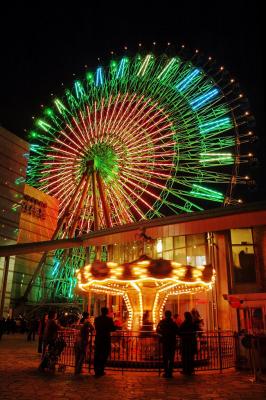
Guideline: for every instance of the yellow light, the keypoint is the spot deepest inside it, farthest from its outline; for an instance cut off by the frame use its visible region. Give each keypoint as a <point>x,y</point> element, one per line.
<point>159,246</point>
<point>143,262</point>
<point>175,264</point>
<point>111,264</point>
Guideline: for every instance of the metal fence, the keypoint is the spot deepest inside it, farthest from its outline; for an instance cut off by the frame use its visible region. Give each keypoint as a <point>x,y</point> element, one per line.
<point>251,355</point>
<point>143,351</point>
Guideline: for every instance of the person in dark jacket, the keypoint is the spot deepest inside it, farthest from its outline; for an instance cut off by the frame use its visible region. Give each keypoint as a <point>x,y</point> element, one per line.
<point>197,319</point>
<point>187,332</point>
<point>33,327</point>
<point>41,328</point>
<point>2,326</point>
<point>167,329</point>
<point>50,337</point>
<point>104,325</point>
<point>82,342</point>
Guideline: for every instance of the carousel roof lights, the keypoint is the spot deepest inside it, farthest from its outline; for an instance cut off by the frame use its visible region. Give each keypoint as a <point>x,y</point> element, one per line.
<point>131,280</point>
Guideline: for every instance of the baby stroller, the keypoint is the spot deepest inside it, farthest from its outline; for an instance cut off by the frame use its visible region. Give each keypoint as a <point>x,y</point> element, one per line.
<point>51,356</point>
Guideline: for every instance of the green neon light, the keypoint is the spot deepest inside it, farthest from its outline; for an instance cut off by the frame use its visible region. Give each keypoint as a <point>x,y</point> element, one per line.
<point>60,106</point>
<point>33,134</point>
<point>19,180</point>
<point>144,65</point>
<point>167,69</point>
<point>224,158</point>
<point>46,127</point>
<point>89,77</point>
<point>48,112</point>
<point>206,193</point>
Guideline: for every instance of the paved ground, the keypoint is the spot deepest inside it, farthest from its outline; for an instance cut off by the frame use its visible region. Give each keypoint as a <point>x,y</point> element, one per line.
<point>19,379</point>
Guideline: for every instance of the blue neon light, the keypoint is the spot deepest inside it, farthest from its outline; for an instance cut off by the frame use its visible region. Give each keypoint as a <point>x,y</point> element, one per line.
<point>221,123</point>
<point>187,80</point>
<point>56,265</point>
<point>35,147</point>
<point>99,76</point>
<point>204,98</point>
<point>121,68</point>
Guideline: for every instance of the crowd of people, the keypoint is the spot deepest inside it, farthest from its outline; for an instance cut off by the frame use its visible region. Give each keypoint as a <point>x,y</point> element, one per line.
<point>51,343</point>
<point>31,324</point>
<point>11,325</point>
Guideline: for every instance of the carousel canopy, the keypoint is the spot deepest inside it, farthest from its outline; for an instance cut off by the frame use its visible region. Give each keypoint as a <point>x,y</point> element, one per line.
<point>145,268</point>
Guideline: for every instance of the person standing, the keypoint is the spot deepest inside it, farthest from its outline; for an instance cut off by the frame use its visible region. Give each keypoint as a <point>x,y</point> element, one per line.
<point>81,344</point>
<point>2,326</point>
<point>177,319</point>
<point>49,339</point>
<point>197,319</point>
<point>33,326</point>
<point>41,328</point>
<point>187,332</point>
<point>104,325</point>
<point>168,329</point>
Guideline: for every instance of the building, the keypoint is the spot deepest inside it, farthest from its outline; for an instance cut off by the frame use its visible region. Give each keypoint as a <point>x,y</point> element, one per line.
<point>14,153</point>
<point>232,239</point>
<point>27,215</point>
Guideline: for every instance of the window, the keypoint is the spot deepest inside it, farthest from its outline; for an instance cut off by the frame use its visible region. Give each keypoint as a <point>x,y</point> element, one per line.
<point>196,249</point>
<point>243,256</point>
<point>187,250</point>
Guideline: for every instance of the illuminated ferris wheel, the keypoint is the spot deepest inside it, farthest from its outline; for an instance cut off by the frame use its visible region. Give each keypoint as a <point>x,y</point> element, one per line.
<point>144,137</point>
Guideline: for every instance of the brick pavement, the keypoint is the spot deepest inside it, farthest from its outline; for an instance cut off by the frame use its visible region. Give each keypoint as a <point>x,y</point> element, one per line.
<point>19,379</point>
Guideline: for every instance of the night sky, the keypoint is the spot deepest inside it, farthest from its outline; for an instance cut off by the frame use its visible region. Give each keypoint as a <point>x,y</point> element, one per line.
<point>44,44</point>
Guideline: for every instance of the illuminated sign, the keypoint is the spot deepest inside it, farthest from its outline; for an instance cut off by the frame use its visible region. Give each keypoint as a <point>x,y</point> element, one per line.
<point>33,207</point>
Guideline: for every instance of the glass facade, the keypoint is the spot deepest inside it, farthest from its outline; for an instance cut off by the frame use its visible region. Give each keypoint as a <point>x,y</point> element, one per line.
<point>187,250</point>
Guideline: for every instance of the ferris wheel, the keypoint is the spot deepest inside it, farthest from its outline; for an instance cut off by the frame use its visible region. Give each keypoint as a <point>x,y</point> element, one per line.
<point>142,137</point>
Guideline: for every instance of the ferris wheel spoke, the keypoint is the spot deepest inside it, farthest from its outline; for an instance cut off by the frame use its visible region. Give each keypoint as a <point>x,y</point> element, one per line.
<point>116,103</point>
<point>131,202</point>
<point>117,200</point>
<point>137,117</point>
<point>61,191</point>
<point>132,113</point>
<point>115,120</point>
<point>124,117</point>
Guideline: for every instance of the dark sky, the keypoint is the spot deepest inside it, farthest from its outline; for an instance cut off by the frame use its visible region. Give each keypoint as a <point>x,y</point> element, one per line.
<point>44,44</point>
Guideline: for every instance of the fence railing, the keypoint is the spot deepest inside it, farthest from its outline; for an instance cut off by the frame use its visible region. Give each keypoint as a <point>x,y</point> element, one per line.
<point>143,351</point>
<point>251,355</point>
